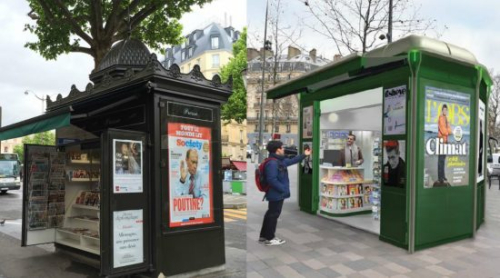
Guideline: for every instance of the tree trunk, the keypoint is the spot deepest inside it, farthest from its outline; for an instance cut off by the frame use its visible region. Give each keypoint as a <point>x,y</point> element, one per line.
<point>99,52</point>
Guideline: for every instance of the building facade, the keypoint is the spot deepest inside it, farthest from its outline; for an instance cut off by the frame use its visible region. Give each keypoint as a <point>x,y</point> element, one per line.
<point>9,145</point>
<point>211,48</point>
<point>280,116</point>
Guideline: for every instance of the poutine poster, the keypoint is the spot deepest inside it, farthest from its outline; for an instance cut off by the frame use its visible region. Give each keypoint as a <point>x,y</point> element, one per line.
<point>190,175</point>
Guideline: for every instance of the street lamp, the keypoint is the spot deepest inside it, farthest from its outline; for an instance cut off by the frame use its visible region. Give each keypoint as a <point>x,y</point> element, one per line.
<point>261,119</point>
<point>43,99</point>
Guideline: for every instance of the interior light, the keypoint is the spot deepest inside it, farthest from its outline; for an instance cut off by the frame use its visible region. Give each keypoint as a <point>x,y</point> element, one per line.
<point>333,117</point>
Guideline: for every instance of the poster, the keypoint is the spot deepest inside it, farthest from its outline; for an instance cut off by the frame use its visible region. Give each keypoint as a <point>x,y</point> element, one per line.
<point>307,121</point>
<point>481,140</point>
<point>190,175</point>
<point>127,166</point>
<point>446,138</point>
<point>395,110</point>
<point>128,237</point>
<point>394,168</point>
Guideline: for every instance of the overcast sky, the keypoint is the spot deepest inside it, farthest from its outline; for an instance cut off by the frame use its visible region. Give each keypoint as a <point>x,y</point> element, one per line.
<point>22,69</point>
<point>471,24</point>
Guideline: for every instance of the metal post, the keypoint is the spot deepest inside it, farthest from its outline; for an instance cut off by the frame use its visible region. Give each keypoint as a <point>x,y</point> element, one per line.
<point>389,33</point>
<point>261,120</point>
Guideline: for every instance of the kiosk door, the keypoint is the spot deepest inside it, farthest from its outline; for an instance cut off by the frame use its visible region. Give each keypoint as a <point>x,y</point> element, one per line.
<point>125,229</point>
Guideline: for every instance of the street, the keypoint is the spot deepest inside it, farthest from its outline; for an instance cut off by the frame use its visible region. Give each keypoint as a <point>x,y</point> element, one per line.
<point>42,260</point>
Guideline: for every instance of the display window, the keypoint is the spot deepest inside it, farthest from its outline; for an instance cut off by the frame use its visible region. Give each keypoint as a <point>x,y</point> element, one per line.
<point>351,157</point>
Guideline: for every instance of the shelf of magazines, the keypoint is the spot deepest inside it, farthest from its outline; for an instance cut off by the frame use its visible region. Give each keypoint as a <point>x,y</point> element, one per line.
<point>344,190</point>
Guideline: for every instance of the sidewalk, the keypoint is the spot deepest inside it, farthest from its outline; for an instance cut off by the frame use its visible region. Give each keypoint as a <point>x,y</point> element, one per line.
<point>317,247</point>
<point>234,201</point>
<point>43,262</point>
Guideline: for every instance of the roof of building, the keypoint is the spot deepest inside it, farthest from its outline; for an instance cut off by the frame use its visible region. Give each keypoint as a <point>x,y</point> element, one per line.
<point>320,61</point>
<point>201,41</point>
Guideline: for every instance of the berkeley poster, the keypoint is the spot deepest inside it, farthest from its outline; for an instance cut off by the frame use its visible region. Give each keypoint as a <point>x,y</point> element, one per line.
<point>190,175</point>
<point>395,110</point>
<point>446,138</point>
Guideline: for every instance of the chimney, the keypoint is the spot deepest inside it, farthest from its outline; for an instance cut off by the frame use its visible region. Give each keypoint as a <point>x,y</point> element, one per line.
<point>252,53</point>
<point>312,54</point>
<point>337,57</point>
<point>292,52</point>
<point>225,19</point>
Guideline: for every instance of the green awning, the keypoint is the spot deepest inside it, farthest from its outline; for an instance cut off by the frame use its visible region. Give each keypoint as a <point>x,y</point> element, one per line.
<point>37,124</point>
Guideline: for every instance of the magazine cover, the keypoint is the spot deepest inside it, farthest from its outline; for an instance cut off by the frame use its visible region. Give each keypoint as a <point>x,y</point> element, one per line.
<point>190,175</point>
<point>395,110</point>
<point>127,165</point>
<point>446,137</point>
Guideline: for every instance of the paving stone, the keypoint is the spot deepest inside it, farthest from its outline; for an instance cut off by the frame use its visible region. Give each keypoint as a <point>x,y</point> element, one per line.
<point>360,265</point>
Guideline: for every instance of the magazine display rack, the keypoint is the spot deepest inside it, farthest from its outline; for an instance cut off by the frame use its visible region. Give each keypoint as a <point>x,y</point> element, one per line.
<point>344,190</point>
<point>377,174</point>
<point>64,197</point>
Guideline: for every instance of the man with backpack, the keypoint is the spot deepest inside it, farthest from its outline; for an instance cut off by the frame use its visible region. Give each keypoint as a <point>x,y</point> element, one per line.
<point>277,187</point>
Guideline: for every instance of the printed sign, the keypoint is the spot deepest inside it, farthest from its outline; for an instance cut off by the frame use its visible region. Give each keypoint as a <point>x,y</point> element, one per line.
<point>190,175</point>
<point>307,118</point>
<point>446,137</point>
<point>128,237</point>
<point>395,111</point>
<point>127,166</point>
<point>481,140</point>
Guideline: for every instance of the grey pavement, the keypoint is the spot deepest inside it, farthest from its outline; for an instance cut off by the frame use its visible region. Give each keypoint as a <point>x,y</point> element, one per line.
<point>234,201</point>
<point>42,261</point>
<point>318,247</point>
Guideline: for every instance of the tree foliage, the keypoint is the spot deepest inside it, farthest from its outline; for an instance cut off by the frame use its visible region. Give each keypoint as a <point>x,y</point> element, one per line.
<point>356,25</point>
<point>494,107</point>
<point>43,138</point>
<point>236,107</point>
<point>92,26</point>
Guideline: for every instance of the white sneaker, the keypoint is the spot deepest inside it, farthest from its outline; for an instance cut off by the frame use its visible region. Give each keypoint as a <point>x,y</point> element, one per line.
<point>274,241</point>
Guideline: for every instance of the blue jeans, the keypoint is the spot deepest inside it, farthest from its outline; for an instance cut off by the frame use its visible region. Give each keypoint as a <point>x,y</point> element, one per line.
<point>271,219</point>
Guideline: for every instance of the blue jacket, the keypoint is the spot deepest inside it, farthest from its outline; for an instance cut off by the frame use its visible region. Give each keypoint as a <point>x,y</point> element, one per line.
<point>277,176</point>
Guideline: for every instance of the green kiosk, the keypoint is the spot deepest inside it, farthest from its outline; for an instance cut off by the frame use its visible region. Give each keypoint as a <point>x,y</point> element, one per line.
<point>398,137</point>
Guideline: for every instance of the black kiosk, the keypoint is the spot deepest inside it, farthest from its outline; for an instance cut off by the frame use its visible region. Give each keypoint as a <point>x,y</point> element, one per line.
<point>134,184</point>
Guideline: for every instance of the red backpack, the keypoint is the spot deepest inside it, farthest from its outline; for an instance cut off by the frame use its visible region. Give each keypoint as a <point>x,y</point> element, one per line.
<point>260,175</point>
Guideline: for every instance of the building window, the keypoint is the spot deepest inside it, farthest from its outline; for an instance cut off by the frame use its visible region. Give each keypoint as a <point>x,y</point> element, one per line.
<point>183,55</point>
<point>267,114</point>
<point>288,128</point>
<point>169,64</point>
<point>215,61</point>
<point>215,43</point>
<point>241,136</point>
<point>277,129</point>
<point>190,52</point>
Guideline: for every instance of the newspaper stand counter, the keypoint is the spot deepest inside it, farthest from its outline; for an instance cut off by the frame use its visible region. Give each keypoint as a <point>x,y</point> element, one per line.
<point>133,184</point>
<point>404,88</point>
